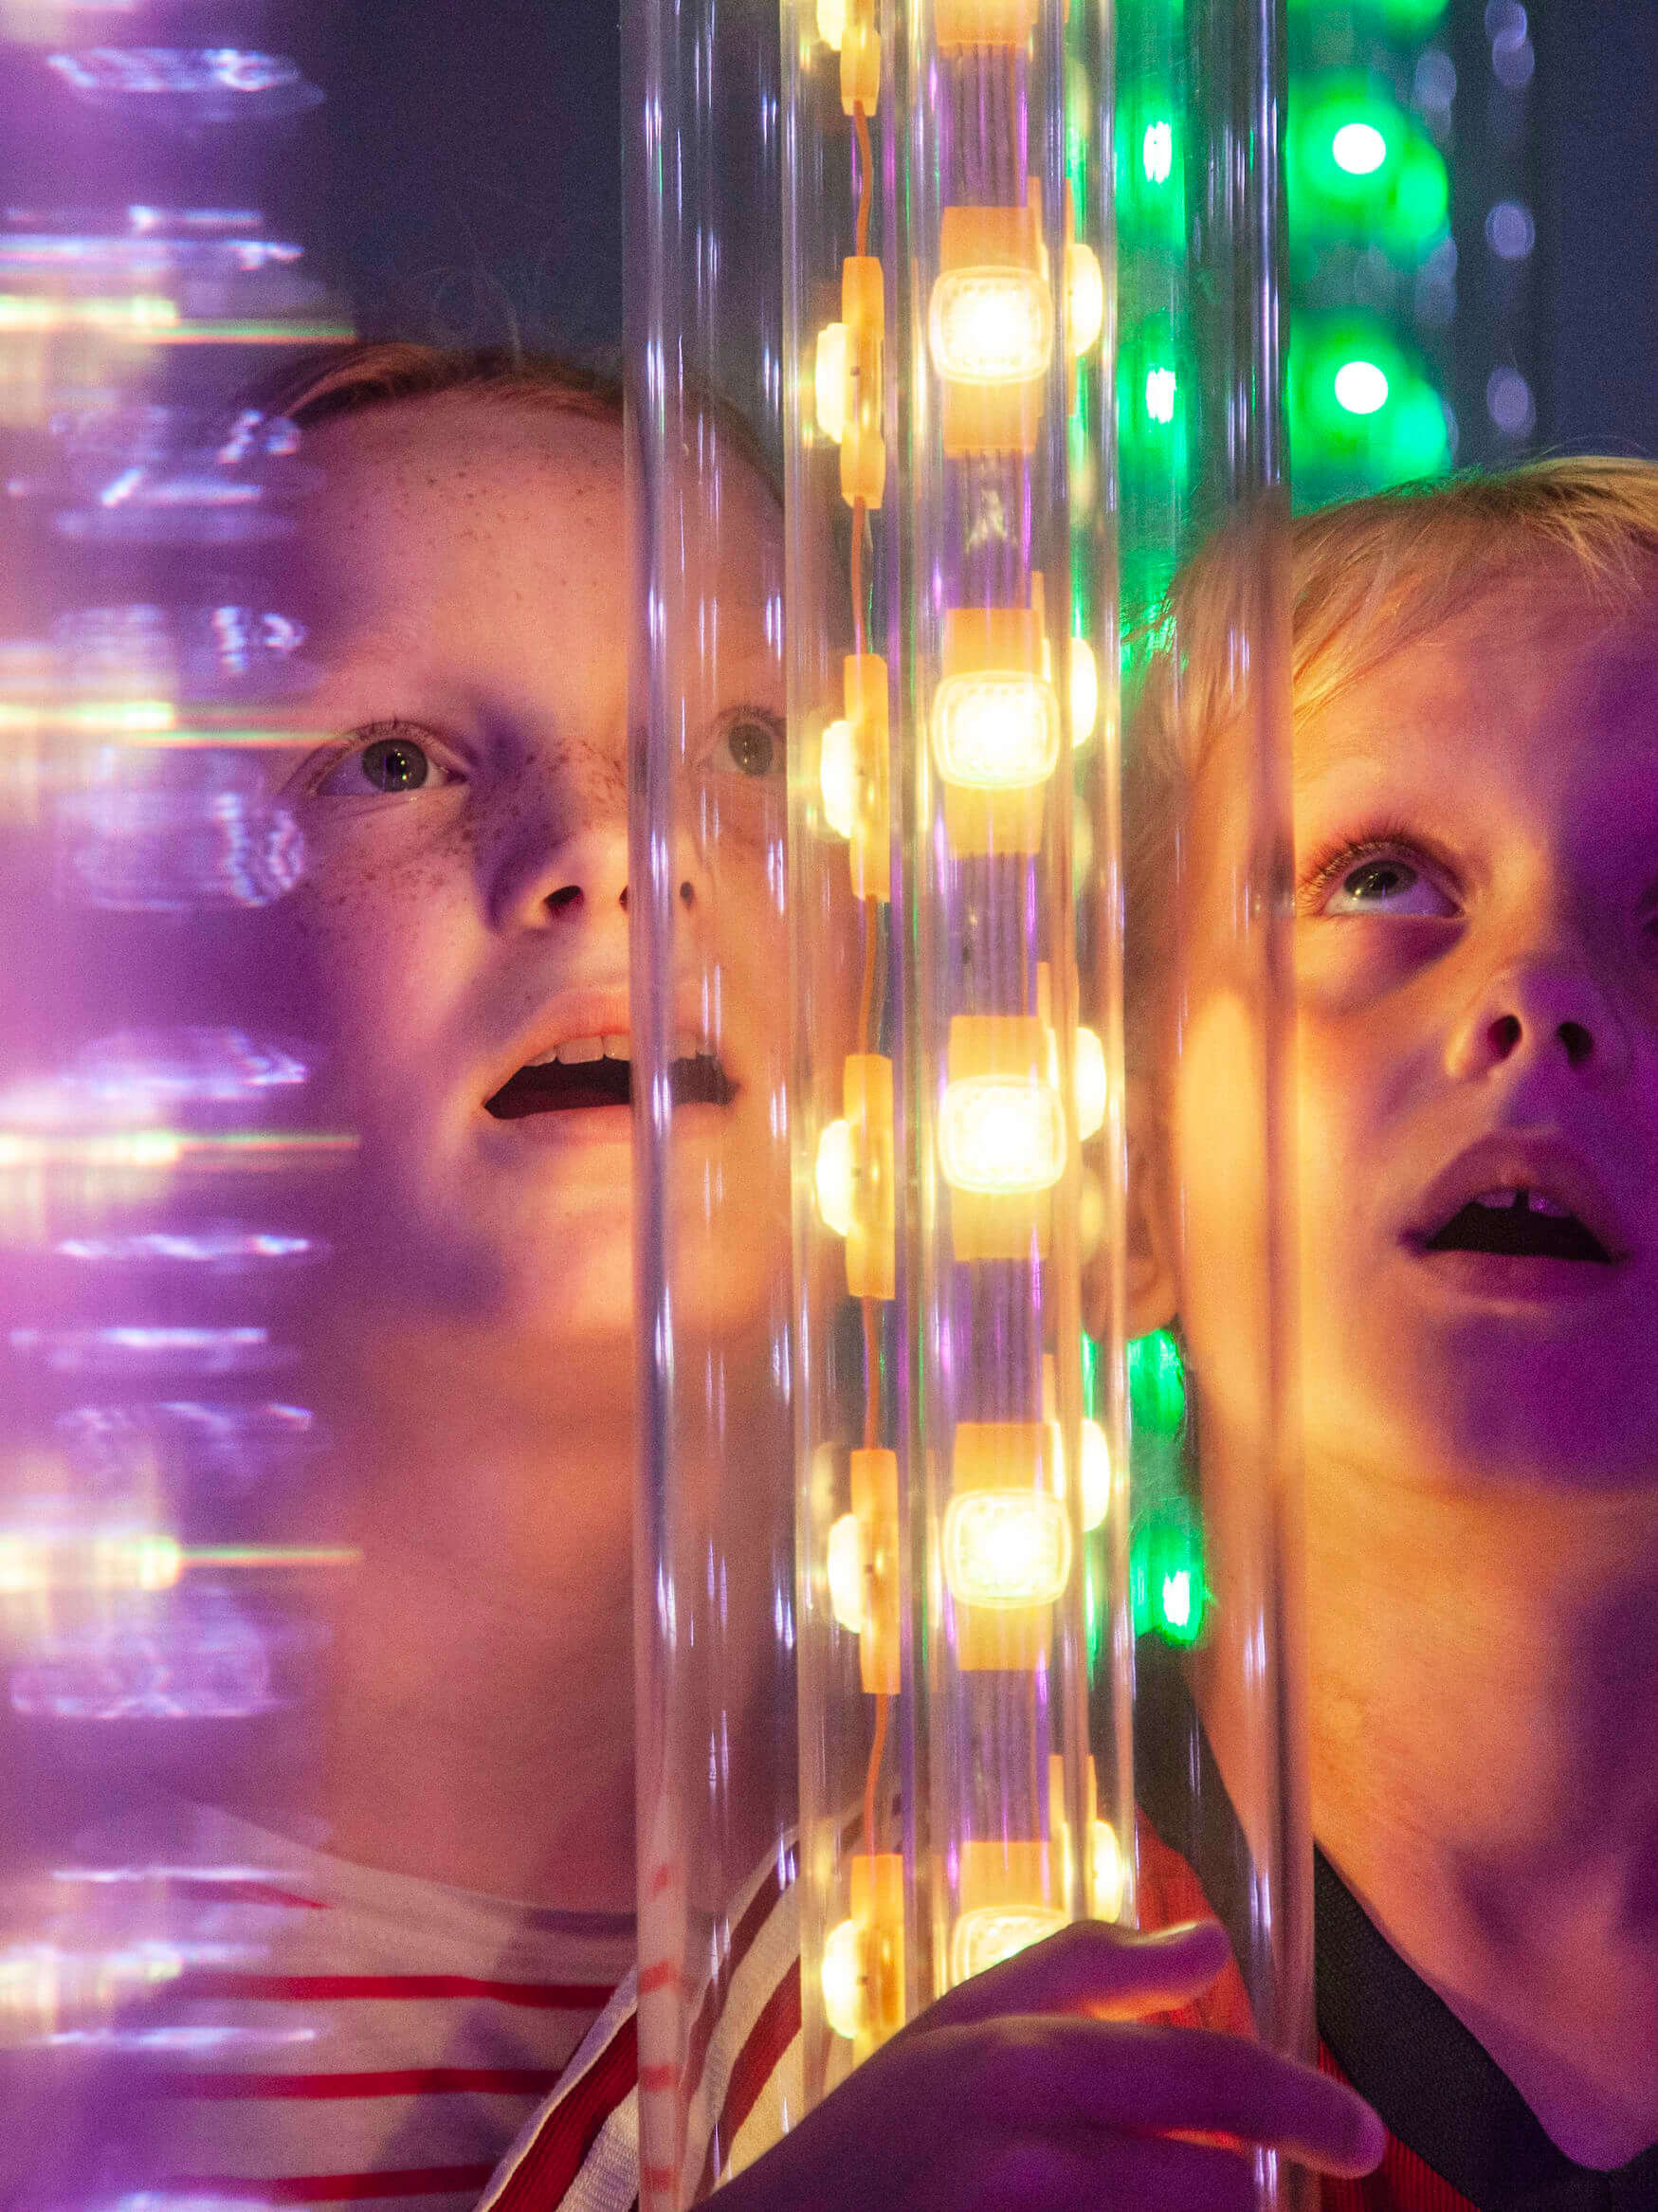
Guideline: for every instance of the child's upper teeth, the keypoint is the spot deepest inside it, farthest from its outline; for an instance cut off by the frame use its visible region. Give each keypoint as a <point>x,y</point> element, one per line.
<point>576,1049</point>
<point>687,1045</point>
<point>617,1047</point>
<point>1543,1203</point>
<point>1501,1199</point>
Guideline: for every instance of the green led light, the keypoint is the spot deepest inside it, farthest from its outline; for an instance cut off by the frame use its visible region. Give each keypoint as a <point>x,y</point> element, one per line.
<point>1362,411</point>
<point>1161,387</point>
<point>1360,170</point>
<point>1157,1384</point>
<point>1090,1379</point>
<point>1361,386</point>
<point>1167,1585</point>
<point>1151,198</point>
<point>1409,19</point>
<point>1359,147</point>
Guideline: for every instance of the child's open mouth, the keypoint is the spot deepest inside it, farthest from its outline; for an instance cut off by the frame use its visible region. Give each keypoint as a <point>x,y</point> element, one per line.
<point>598,1071</point>
<point>1518,1224</point>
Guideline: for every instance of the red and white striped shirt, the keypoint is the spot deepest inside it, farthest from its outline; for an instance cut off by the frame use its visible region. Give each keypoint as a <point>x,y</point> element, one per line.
<point>338,2035</point>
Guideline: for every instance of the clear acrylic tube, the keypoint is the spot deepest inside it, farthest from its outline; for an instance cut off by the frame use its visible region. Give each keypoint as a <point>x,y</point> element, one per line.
<point>1019,1642</point>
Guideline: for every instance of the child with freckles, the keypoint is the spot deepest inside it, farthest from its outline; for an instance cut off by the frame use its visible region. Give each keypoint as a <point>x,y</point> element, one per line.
<point>1476,980</point>
<point>442,1956</point>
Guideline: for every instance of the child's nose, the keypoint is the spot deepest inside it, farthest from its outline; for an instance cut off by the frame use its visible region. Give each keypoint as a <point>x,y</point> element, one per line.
<point>583,873</point>
<point>1538,1012</point>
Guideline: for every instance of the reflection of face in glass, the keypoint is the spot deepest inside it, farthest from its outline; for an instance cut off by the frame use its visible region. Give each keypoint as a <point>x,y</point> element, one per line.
<point>468,889</point>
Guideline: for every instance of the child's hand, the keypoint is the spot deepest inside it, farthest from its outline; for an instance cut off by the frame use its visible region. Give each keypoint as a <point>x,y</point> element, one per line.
<point>1037,2087</point>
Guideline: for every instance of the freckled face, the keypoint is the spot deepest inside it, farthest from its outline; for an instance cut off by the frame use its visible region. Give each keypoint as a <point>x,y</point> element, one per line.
<point>466,896</point>
<point>1477,964</point>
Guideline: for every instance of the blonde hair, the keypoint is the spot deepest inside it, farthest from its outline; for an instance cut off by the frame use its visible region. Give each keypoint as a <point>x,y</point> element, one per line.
<point>1340,591</point>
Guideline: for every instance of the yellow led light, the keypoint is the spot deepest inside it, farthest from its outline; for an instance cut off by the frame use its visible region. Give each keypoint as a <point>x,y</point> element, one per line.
<point>843,1978</point>
<point>1096,1475</point>
<point>1085,293</point>
<point>831,23</point>
<point>1085,691</point>
<point>829,380</point>
<point>853,774</point>
<point>853,1174</point>
<point>991,1933</point>
<point>1088,1074</point>
<point>995,729</point>
<point>1002,1134</point>
<point>1109,1873</point>
<point>835,1177</point>
<point>862,1971</point>
<point>1006,1547</point>
<point>844,1567</point>
<point>837,777</point>
<point>991,325</point>
<point>983,23</point>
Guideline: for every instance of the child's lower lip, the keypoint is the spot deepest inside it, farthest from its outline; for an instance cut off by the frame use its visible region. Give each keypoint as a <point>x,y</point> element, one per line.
<point>1504,1278</point>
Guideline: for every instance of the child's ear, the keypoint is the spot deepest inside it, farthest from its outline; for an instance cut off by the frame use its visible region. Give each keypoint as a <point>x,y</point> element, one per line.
<point>1151,1288</point>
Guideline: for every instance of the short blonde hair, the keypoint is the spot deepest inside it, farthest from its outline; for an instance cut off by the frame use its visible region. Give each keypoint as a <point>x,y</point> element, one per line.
<point>1345,588</point>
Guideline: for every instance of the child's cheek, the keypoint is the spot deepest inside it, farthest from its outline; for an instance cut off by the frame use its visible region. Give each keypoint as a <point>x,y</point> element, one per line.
<point>1223,1201</point>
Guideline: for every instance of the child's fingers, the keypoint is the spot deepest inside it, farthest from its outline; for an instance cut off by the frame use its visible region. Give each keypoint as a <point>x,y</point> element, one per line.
<point>1055,2075</point>
<point>1092,1967</point>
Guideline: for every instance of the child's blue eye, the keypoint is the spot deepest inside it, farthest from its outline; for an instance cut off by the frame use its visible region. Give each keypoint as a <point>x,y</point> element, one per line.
<point>1387,884</point>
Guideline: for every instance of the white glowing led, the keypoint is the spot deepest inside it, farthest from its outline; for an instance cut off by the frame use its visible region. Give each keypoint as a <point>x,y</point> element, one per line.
<point>1085,288</point>
<point>1089,1074</point>
<point>1096,1475</point>
<point>1361,387</point>
<point>1084,676</point>
<point>1157,152</point>
<point>991,325</point>
<point>846,1573</point>
<point>1359,149</point>
<point>995,729</point>
<point>835,1177</point>
<point>843,1980</point>
<point>1110,1874</point>
<point>1001,1133</point>
<point>831,23</point>
<point>1006,1547</point>
<point>829,380</point>
<point>837,777</point>
<point>1178,1599</point>
<point>1161,388</point>
<point>989,1933</point>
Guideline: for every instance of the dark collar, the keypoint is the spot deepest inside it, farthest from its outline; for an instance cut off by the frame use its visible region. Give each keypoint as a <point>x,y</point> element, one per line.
<point>1437,2087</point>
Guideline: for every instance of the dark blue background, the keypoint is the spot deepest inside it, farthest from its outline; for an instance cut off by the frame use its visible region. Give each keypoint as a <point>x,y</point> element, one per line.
<point>475,193</point>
